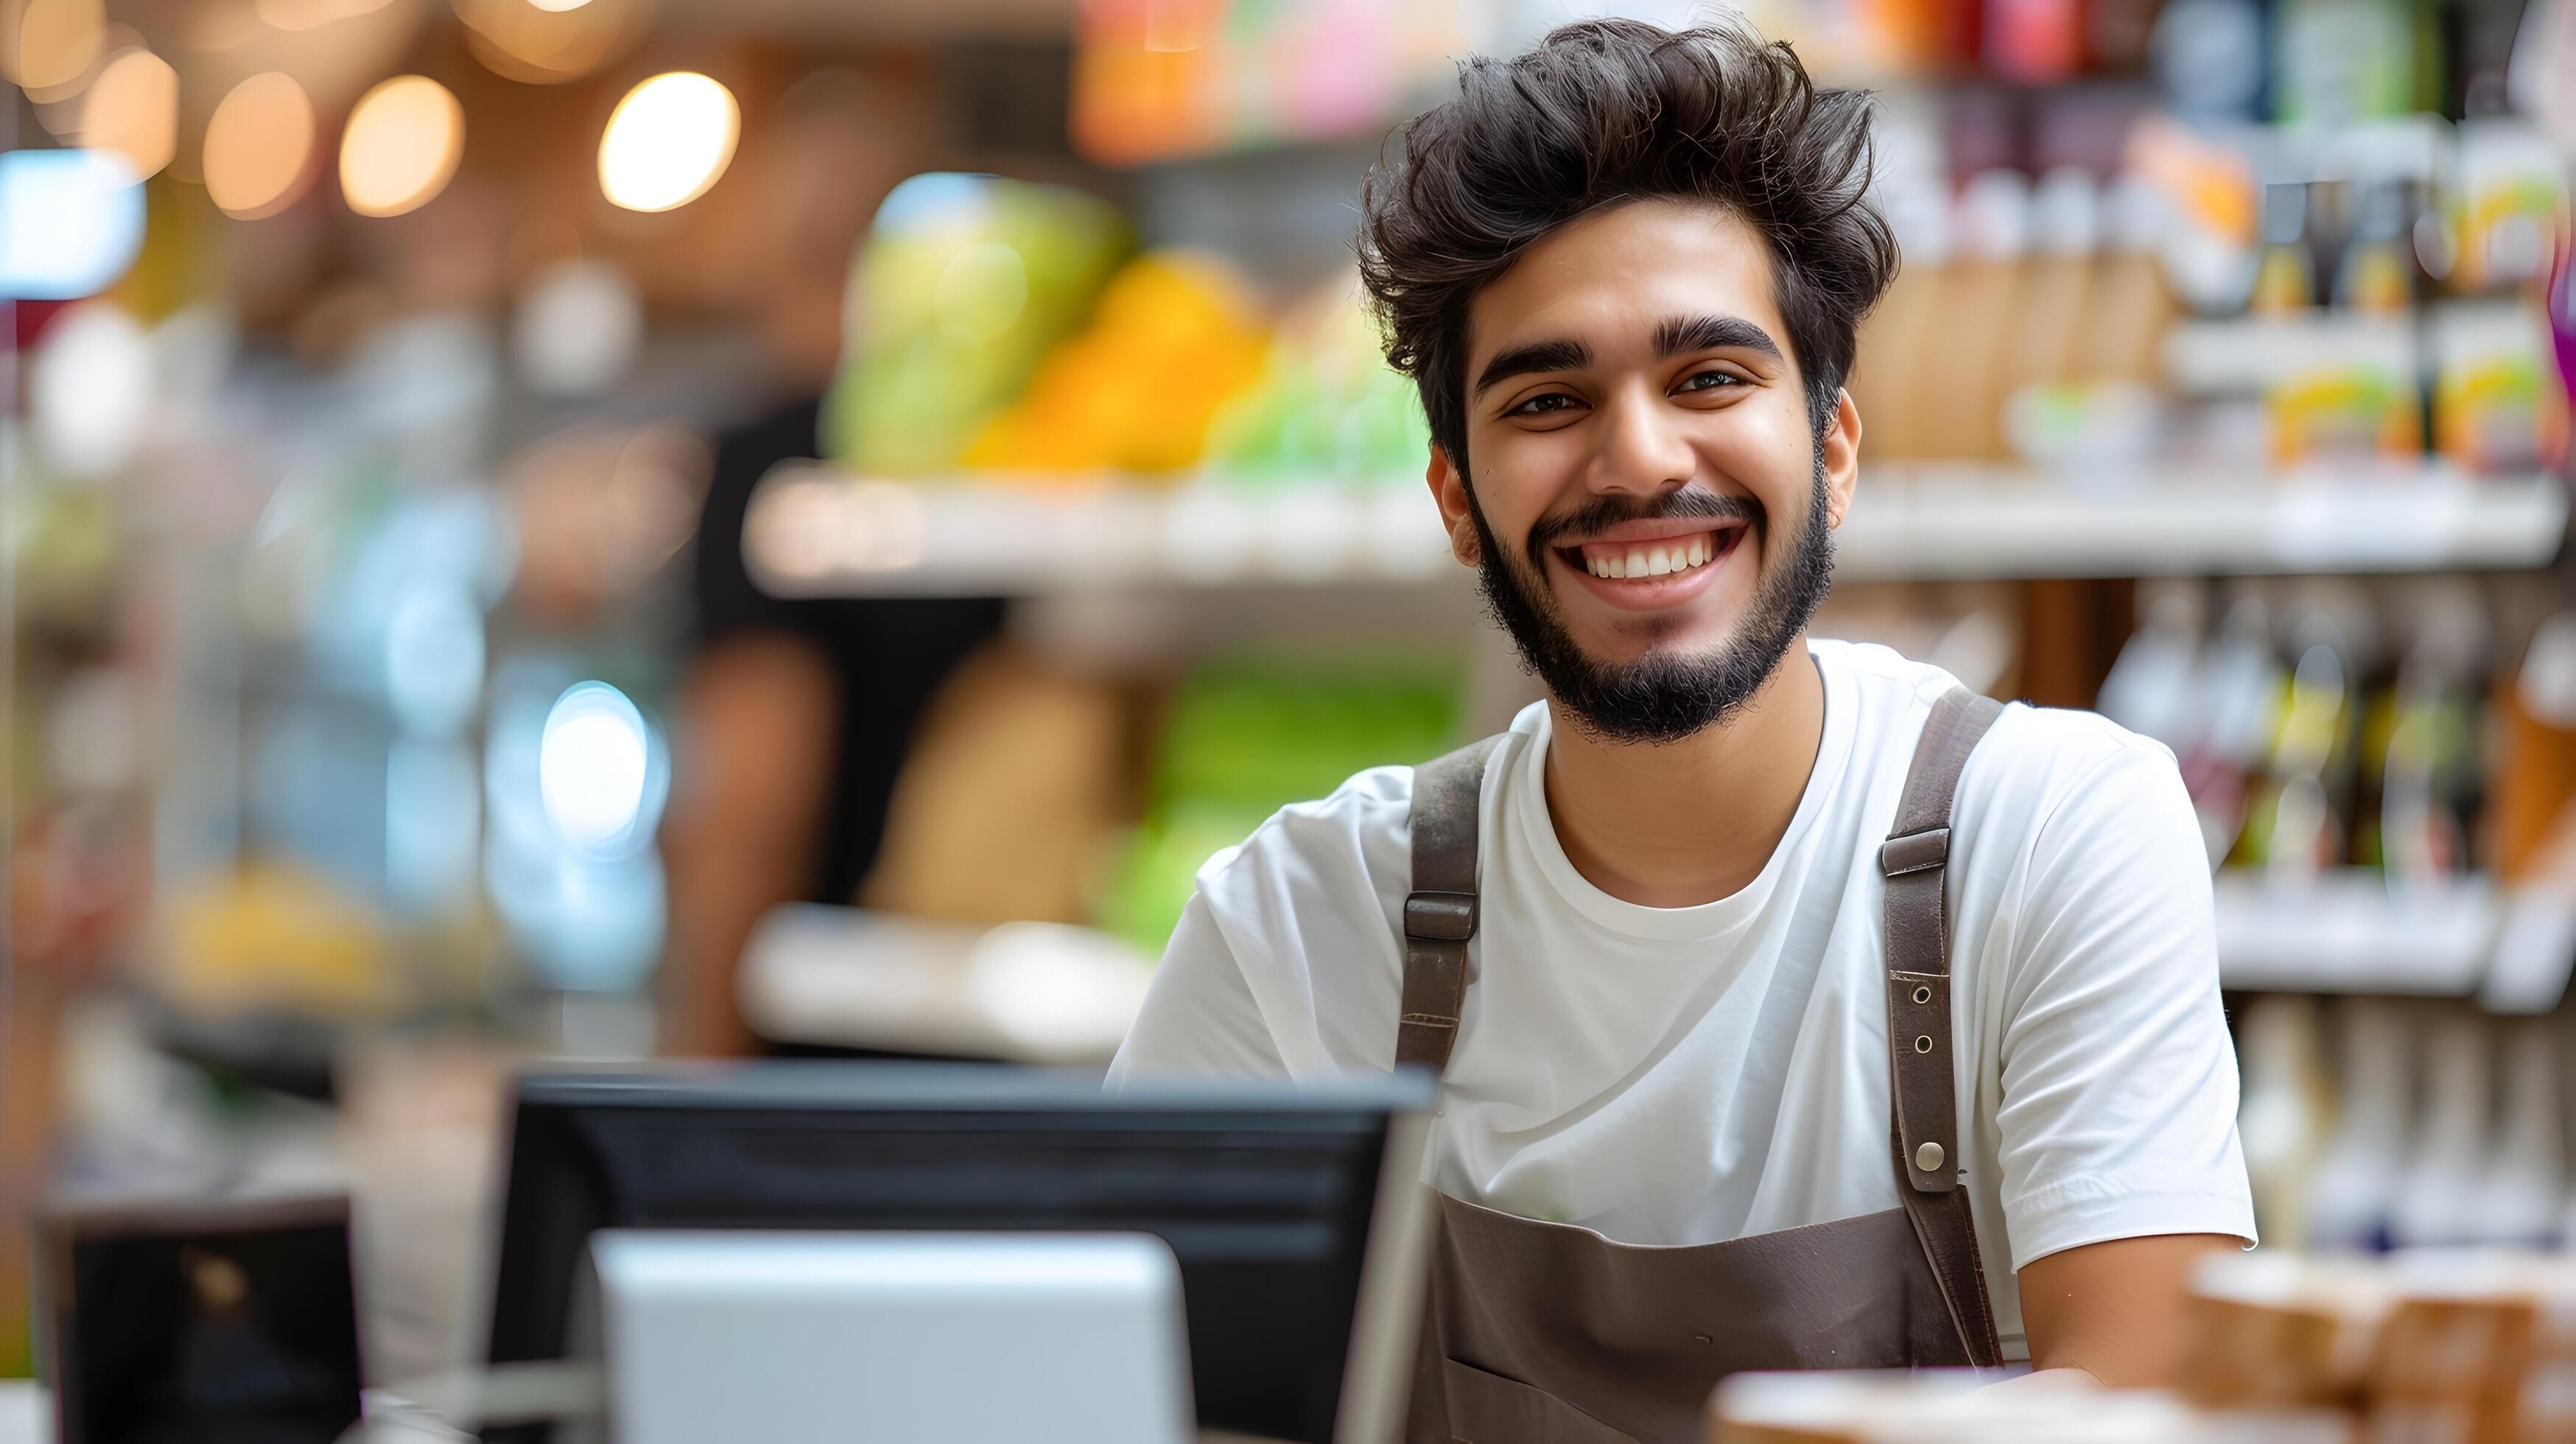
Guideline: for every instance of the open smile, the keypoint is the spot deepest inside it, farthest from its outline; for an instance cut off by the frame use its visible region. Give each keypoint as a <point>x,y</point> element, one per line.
<point>1648,566</point>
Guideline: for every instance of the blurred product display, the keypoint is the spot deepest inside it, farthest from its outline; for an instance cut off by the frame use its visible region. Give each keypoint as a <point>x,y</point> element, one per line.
<point>541,530</point>
<point>1956,1406</point>
<point>2473,1346</point>
<point>2468,1345</point>
<point>964,284</point>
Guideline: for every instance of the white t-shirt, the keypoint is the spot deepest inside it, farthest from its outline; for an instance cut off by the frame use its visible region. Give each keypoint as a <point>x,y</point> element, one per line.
<point>1688,1075</point>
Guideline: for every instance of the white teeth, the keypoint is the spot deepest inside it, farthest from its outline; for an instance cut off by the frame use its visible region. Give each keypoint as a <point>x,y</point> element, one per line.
<point>1656,561</point>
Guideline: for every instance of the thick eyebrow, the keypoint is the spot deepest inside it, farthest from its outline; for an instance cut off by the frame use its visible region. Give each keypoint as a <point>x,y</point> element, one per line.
<point>1534,357</point>
<point>1713,333</point>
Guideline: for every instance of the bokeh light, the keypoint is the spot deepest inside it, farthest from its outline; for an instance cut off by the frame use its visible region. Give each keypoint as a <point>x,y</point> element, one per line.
<point>90,391</point>
<point>577,329</point>
<point>71,221</point>
<point>433,661</point>
<point>669,140</point>
<point>294,15</point>
<point>132,108</point>
<point>433,822</point>
<point>594,766</point>
<point>401,147</point>
<point>259,145</point>
<point>53,43</point>
<point>544,42</point>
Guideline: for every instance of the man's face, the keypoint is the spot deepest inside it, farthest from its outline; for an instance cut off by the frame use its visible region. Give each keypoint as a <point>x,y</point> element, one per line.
<point>1648,500</point>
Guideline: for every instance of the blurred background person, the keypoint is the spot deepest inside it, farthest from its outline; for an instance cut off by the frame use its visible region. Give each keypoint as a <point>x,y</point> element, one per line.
<point>793,715</point>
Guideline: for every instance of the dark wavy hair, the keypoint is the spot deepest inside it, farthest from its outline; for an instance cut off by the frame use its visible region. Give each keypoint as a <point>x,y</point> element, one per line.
<point>1604,111</point>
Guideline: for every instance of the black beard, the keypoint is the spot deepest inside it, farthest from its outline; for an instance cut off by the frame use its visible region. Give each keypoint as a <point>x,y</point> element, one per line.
<point>1659,697</point>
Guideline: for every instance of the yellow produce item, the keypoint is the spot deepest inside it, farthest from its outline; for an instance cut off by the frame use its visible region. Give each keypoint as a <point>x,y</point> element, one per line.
<point>1015,785</point>
<point>275,936</point>
<point>1175,336</point>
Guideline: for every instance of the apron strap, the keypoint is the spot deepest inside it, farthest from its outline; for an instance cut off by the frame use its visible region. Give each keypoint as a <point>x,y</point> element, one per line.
<point>1440,913</point>
<point>1922,1085</point>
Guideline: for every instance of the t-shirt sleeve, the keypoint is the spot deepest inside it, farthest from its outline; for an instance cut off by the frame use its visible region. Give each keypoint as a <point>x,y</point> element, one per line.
<point>2119,1089</point>
<point>1199,1015</point>
<point>1286,960</point>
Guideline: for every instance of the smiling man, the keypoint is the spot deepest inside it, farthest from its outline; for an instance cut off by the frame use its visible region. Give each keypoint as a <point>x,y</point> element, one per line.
<point>1793,1007</point>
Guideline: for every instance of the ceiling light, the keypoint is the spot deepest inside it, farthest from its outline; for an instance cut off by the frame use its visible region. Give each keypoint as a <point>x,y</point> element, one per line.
<point>258,146</point>
<point>50,44</point>
<point>401,147</point>
<point>668,141</point>
<point>132,108</point>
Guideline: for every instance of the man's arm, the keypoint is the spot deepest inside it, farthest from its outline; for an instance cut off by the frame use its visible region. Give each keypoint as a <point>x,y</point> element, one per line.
<point>2117,1110</point>
<point>755,736</point>
<point>2113,1309</point>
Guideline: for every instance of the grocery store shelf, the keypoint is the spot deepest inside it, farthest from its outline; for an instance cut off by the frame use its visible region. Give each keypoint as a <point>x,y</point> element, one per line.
<point>1962,524</point>
<point>2248,355</point>
<point>813,531</point>
<point>2510,948</point>
<point>2347,932</point>
<point>2244,357</point>
<point>838,977</point>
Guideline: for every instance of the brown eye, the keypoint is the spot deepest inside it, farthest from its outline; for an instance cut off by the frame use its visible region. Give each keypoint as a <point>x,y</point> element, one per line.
<point>1553,401</point>
<point>1710,381</point>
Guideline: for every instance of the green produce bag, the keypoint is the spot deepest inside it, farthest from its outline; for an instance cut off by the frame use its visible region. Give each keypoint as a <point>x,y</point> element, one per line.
<point>1249,737</point>
<point>963,284</point>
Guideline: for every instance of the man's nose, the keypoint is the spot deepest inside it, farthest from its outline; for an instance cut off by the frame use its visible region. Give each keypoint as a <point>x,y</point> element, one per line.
<point>1642,447</point>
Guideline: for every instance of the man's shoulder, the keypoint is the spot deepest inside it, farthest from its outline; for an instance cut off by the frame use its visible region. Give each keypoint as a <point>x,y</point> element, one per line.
<point>1330,856</point>
<point>2070,742</point>
<point>2027,741</point>
<point>2081,779</point>
<point>2052,754</point>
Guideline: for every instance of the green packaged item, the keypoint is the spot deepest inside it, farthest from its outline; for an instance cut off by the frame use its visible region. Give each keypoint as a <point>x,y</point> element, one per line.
<point>964,282</point>
<point>1247,738</point>
<point>1327,407</point>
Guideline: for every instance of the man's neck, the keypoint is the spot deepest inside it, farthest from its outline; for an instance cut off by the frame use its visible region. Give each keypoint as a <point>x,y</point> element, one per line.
<point>1677,824</point>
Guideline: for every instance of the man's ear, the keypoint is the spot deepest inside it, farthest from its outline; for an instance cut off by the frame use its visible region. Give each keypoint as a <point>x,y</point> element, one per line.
<point>1449,490</point>
<point>1840,448</point>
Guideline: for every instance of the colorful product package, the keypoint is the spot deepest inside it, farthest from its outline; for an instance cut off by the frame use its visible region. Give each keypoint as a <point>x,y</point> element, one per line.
<point>962,286</point>
<point>1248,737</point>
<point>1175,337</point>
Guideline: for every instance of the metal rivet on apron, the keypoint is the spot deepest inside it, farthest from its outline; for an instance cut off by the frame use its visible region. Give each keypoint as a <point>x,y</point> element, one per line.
<point>1928,1157</point>
<point>1923,995</point>
<point>1699,1338</point>
<point>1923,1044</point>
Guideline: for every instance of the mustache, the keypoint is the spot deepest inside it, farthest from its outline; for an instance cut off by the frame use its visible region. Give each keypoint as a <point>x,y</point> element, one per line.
<point>1604,512</point>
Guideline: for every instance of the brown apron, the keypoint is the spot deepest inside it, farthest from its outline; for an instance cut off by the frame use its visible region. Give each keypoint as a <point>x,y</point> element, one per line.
<point>1544,1331</point>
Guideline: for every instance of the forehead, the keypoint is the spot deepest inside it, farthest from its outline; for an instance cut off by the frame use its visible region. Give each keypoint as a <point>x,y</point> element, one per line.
<point>1610,278</point>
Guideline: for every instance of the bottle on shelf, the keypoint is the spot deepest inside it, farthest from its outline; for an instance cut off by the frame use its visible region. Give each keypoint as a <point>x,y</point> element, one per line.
<point>2354,1191</point>
<point>2279,1121</point>
<point>2437,1201</point>
<point>2525,1188</point>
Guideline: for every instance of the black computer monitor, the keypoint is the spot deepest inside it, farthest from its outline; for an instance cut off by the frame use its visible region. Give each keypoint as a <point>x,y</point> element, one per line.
<point>1271,1196</point>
